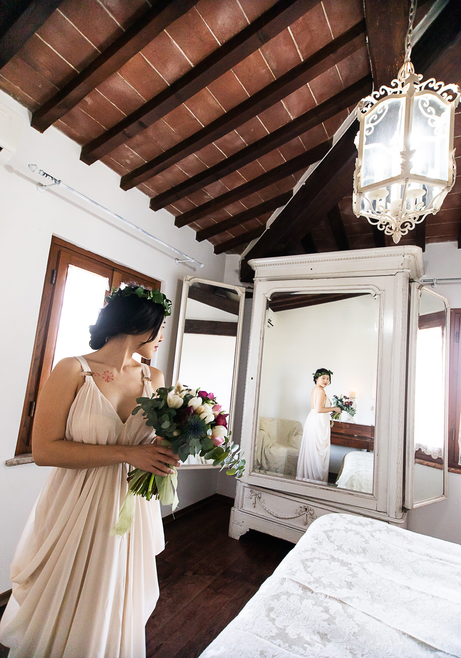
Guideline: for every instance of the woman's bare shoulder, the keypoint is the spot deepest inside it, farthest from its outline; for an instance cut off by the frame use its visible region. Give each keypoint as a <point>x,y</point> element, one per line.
<point>69,365</point>
<point>157,378</point>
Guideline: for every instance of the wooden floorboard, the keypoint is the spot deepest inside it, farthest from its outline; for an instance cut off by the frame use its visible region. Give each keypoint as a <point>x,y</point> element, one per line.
<point>205,579</point>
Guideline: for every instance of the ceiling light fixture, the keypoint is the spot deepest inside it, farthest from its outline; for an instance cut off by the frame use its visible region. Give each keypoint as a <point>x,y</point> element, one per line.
<point>406,161</point>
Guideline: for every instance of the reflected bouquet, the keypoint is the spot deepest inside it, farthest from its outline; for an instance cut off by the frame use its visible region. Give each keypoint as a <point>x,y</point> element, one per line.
<point>191,422</point>
<point>345,404</point>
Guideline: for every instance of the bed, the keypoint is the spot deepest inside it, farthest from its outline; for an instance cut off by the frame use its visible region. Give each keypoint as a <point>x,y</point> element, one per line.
<point>356,472</point>
<point>352,587</point>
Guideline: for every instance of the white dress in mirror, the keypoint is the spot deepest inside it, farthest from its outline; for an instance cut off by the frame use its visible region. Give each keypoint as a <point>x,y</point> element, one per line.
<point>314,453</point>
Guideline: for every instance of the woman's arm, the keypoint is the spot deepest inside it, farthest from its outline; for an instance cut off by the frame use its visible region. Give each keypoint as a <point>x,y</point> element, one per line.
<point>319,403</point>
<point>50,448</point>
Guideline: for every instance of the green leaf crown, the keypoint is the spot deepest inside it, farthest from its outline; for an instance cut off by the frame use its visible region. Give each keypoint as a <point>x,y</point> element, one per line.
<point>152,295</point>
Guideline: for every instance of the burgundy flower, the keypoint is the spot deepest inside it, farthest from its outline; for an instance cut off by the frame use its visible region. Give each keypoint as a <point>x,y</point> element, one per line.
<point>184,414</point>
<point>222,420</point>
<point>202,394</point>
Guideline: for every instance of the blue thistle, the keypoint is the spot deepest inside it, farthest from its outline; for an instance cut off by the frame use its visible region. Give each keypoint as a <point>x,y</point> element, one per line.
<point>194,428</point>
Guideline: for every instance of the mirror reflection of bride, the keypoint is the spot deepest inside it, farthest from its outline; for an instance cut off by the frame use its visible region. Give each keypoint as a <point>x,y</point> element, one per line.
<point>314,453</point>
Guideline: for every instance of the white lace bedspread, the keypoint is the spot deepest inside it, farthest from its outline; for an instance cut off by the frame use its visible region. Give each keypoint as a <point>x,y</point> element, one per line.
<point>357,472</point>
<point>351,587</point>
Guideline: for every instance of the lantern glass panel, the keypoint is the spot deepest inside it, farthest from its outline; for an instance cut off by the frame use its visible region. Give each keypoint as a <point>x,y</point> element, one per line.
<point>383,141</point>
<point>430,137</point>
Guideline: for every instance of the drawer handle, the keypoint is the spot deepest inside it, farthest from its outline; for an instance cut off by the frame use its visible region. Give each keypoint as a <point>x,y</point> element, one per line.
<point>309,513</point>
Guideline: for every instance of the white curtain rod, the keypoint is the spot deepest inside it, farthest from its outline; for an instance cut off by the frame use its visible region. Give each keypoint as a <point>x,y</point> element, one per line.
<point>55,181</point>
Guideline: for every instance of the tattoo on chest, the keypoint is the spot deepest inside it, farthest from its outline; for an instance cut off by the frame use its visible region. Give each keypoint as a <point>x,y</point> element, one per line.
<point>106,375</point>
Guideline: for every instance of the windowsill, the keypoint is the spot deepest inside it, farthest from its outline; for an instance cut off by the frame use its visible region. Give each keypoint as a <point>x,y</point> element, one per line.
<point>20,459</point>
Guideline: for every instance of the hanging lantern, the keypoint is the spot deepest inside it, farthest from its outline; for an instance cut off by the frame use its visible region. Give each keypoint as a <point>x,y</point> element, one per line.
<point>406,161</point>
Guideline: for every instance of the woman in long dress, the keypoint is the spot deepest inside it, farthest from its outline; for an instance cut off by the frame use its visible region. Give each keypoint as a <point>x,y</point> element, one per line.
<point>78,591</point>
<point>314,453</point>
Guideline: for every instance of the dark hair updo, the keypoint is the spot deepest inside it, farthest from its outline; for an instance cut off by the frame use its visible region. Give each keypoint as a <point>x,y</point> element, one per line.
<point>126,314</point>
<point>321,371</point>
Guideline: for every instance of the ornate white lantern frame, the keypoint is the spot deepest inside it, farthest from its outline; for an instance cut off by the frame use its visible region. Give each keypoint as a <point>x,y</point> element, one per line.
<point>396,203</point>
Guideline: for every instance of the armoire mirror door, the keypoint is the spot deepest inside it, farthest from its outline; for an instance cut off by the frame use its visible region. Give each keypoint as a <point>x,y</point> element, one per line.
<point>208,343</point>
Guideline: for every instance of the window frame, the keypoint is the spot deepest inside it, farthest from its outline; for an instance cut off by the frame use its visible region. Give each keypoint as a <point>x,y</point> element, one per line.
<point>454,403</point>
<point>61,255</point>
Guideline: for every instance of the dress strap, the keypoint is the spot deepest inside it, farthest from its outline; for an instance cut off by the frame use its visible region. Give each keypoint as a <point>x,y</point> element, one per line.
<point>85,367</point>
<point>145,373</point>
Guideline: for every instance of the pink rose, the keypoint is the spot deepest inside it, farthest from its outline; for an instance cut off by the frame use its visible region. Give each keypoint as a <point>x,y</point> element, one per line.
<point>217,440</point>
<point>216,409</point>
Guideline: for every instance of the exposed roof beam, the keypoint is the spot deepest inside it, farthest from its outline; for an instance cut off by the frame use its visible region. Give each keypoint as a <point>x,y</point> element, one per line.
<point>289,131</point>
<point>245,216</point>
<point>309,245</point>
<point>325,187</point>
<point>241,239</point>
<point>135,38</point>
<point>262,30</point>
<point>300,75</point>
<point>210,327</point>
<point>216,301</point>
<point>337,226</point>
<point>22,19</point>
<point>290,302</point>
<point>260,182</point>
<point>386,46</point>
<point>378,236</point>
<point>420,235</point>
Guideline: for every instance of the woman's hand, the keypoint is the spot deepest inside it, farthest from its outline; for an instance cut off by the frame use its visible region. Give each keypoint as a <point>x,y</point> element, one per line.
<point>152,457</point>
<point>337,410</point>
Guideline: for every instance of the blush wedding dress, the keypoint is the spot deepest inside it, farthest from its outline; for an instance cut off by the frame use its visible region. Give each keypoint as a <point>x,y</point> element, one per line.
<point>79,592</point>
<point>314,453</point>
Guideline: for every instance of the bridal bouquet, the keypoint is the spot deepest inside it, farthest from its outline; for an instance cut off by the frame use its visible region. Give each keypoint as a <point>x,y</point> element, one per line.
<point>345,404</point>
<point>191,422</point>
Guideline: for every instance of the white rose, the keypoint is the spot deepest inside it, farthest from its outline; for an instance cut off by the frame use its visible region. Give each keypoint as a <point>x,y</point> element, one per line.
<point>194,403</point>
<point>174,401</point>
<point>218,431</point>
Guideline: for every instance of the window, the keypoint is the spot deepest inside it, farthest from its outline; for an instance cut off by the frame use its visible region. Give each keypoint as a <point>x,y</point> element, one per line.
<point>65,315</point>
<point>454,407</point>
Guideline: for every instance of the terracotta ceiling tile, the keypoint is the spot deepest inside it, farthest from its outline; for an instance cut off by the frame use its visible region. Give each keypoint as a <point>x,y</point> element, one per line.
<point>234,209</point>
<point>160,184</point>
<point>228,91</point>
<point>251,170</point>
<point>145,189</point>
<point>180,206</point>
<point>233,180</point>
<point>210,155</point>
<point>281,53</point>
<point>66,40</point>
<point>224,17</point>
<point>290,150</point>
<point>332,125</point>
<point>362,242</point>
<point>219,215</point>
<point>126,157</point>
<point>182,122</point>
<point>193,36</point>
<point>205,222</point>
<point>200,197</point>
<point>342,15</point>
<point>204,106</point>
<point>453,200</point>
<point>42,59</point>
<point>166,58</point>
<point>114,165</point>
<point>299,101</point>
<point>254,8</point>
<point>121,94</point>
<point>251,131</point>
<point>274,117</point>
<point>159,134</point>
<point>82,123</point>
<point>230,143</point>
<point>101,30</point>
<point>101,109</point>
<point>355,66</point>
<point>269,192</point>
<point>253,73</point>
<point>191,165</point>
<point>251,200</point>
<point>70,132</point>
<point>147,149</point>
<point>311,31</point>
<point>286,184</point>
<point>326,85</point>
<point>271,160</point>
<point>125,12</point>
<point>174,175</point>
<point>143,77</point>
<point>216,189</point>
<point>28,87</point>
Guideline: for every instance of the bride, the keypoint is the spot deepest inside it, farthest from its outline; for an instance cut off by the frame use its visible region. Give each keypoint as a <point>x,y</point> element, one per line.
<point>314,454</point>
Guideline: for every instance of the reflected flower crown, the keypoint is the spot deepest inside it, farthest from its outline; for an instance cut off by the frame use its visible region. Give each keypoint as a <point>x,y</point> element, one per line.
<point>152,295</point>
<point>322,371</point>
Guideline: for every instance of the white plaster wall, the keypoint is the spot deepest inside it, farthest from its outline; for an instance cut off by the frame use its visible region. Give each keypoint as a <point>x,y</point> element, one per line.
<point>442,519</point>
<point>28,219</point>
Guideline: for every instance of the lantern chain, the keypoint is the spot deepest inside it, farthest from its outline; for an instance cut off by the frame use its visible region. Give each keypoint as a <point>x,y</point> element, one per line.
<point>408,38</point>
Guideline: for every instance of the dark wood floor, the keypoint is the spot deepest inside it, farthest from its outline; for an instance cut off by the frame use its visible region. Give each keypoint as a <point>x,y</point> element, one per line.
<point>205,579</point>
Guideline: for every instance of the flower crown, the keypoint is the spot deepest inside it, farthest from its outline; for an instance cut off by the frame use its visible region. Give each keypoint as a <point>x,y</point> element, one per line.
<point>322,371</point>
<point>152,295</point>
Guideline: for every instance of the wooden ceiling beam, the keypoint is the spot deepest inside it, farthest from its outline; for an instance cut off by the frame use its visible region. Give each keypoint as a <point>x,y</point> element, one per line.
<point>21,19</point>
<point>291,302</point>
<point>309,245</point>
<point>259,183</point>
<point>213,300</point>
<point>337,226</point>
<point>135,38</point>
<point>243,44</point>
<point>420,235</point>
<point>277,138</point>
<point>321,61</point>
<point>378,236</point>
<point>239,240</point>
<point>245,216</point>
<point>387,24</point>
<point>330,181</point>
